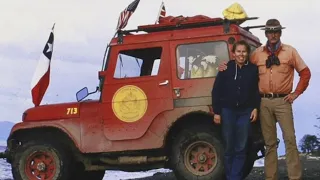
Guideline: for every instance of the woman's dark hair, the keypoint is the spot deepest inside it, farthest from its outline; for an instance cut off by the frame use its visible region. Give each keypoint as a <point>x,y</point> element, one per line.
<point>241,42</point>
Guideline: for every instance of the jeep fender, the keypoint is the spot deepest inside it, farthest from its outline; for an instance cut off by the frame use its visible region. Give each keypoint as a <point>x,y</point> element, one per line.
<point>69,128</point>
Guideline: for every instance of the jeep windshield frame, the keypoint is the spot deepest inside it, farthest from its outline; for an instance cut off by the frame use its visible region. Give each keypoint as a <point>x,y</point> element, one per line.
<point>104,68</point>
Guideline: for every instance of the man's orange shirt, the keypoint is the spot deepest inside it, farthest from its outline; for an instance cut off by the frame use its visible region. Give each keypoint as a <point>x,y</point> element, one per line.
<point>277,79</point>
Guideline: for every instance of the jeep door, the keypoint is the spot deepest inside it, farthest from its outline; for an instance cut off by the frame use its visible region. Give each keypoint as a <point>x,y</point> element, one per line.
<point>195,65</point>
<point>137,89</point>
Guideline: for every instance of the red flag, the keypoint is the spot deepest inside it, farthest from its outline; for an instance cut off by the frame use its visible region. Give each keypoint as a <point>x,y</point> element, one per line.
<point>126,14</point>
<point>41,77</point>
<point>162,12</point>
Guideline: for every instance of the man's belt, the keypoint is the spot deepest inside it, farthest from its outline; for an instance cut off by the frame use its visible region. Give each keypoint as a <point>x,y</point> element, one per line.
<point>271,95</point>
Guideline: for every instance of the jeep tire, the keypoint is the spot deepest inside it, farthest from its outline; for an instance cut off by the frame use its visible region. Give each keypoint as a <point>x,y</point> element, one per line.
<point>36,159</point>
<point>197,154</point>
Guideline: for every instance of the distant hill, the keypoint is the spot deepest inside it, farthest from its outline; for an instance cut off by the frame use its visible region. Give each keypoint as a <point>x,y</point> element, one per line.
<point>5,128</point>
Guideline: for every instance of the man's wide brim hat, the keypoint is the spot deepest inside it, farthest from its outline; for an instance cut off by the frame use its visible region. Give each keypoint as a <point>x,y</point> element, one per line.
<point>272,25</point>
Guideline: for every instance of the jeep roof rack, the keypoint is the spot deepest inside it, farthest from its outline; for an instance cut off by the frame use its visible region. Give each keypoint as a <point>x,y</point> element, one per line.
<point>190,24</point>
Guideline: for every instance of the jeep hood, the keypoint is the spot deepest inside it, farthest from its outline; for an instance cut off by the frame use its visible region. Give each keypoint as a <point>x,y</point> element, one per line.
<point>54,111</point>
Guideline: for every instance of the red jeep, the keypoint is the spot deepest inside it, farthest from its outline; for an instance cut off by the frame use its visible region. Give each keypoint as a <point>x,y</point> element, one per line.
<point>154,109</point>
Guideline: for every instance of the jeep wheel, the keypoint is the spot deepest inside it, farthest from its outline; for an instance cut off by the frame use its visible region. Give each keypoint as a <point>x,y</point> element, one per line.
<point>40,160</point>
<point>197,154</point>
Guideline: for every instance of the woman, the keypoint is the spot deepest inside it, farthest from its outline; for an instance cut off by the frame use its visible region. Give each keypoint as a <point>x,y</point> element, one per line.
<point>235,101</point>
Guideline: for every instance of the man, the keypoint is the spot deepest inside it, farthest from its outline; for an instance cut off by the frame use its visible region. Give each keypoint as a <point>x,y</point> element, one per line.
<point>276,63</point>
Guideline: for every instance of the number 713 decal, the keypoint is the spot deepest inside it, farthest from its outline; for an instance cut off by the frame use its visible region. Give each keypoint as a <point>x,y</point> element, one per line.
<point>72,111</point>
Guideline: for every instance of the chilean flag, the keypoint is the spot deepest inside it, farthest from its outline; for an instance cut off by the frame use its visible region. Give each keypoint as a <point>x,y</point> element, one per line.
<point>41,77</point>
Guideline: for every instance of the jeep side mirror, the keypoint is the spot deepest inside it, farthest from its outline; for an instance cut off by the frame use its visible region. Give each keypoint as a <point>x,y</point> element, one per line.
<point>81,94</point>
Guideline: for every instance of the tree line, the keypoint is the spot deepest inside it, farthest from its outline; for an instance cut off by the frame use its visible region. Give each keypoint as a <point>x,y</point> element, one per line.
<point>310,144</point>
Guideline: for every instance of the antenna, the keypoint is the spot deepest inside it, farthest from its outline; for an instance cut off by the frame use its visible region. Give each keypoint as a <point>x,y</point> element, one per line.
<point>253,27</point>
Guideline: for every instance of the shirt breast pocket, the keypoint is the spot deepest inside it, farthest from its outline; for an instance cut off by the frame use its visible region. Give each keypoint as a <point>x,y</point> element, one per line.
<point>284,66</point>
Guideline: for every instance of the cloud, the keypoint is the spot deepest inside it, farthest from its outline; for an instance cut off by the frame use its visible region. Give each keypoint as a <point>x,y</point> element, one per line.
<point>88,27</point>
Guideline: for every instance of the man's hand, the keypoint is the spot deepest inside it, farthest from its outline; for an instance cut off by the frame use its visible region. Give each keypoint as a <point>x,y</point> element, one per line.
<point>217,119</point>
<point>291,97</point>
<point>254,115</point>
<point>222,66</point>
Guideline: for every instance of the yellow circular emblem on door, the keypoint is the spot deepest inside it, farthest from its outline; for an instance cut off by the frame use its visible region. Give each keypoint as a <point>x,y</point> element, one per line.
<point>129,103</point>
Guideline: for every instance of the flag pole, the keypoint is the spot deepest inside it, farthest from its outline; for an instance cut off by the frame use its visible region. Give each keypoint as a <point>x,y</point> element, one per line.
<point>105,52</point>
<point>53,32</point>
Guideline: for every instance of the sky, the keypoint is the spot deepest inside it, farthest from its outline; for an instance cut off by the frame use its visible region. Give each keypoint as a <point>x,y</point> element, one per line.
<point>83,28</point>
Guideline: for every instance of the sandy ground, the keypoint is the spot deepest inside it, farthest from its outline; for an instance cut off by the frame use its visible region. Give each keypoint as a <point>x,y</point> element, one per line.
<point>311,171</point>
